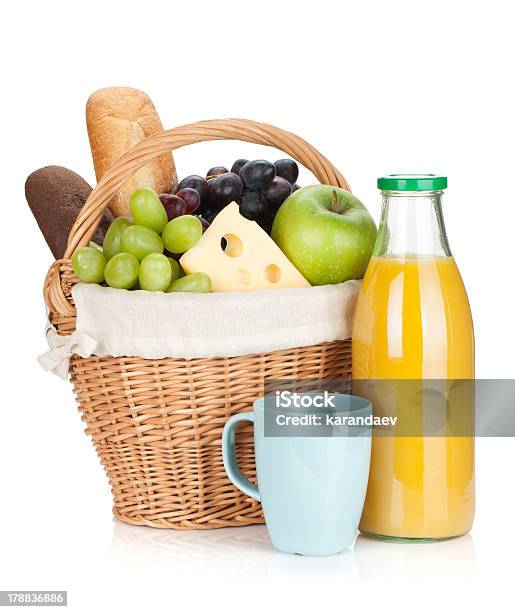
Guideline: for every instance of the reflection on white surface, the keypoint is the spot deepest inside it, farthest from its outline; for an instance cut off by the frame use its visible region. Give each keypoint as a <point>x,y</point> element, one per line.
<point>284,567</point>
<point>383,560</point>
<point>247,551</point>
<point>233,551</point>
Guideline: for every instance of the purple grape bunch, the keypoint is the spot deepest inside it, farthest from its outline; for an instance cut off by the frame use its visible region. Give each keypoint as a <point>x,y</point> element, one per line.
<point>259,187</point>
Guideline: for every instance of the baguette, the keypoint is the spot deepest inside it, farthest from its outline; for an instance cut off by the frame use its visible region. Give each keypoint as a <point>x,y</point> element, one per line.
<point>117,119</point>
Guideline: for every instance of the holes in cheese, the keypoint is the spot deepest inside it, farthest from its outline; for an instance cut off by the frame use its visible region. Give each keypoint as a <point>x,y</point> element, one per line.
<point>233,245</point>
<point>273,273</point>
<point>244,276</point>
<point>250,260</point>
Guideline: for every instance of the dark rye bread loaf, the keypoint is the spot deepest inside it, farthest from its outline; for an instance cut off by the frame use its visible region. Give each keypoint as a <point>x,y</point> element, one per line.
<point>55,196</point>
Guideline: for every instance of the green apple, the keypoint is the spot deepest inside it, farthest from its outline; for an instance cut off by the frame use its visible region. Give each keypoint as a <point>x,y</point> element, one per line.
<point>326,232</point>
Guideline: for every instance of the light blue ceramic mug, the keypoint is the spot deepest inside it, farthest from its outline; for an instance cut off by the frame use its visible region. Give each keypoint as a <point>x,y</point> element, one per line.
<point>311,481</point>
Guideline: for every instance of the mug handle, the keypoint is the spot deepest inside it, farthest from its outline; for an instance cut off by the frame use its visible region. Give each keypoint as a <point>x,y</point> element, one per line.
<point>229,456</point>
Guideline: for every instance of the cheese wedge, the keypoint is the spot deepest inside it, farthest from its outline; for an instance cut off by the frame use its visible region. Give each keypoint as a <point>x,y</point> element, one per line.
<point>251,259</point>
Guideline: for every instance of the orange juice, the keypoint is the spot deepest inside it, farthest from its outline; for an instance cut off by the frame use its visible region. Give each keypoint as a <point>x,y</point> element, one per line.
<point>413,321</point>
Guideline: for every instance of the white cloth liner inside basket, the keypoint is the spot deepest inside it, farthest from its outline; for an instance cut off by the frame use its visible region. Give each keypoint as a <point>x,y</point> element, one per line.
<point>154,325</point>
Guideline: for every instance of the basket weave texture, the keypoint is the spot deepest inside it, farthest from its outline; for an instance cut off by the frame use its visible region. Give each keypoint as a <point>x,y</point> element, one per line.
<point>157,424</point>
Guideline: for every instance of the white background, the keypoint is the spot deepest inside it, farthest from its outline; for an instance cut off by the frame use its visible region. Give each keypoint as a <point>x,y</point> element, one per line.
<point>378,88</point>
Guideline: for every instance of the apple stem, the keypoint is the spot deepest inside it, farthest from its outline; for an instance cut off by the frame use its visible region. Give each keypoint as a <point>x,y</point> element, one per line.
<point>335,207</point>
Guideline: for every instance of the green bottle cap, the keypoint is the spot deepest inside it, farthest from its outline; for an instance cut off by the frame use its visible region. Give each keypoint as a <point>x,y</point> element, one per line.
<point>412,182</point>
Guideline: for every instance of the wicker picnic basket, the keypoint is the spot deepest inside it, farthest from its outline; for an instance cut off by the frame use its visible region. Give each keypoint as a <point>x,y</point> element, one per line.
<point>157,424</point>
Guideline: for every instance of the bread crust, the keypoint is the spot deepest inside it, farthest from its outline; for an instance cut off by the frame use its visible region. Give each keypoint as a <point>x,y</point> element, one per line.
<point>55,196</point>
<point>117,119</point>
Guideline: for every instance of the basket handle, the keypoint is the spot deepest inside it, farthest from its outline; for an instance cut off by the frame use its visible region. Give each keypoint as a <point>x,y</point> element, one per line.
<point>161,142</point>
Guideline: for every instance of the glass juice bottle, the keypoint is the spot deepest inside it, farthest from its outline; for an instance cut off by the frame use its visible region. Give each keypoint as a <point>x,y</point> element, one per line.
<point>413,321</point>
